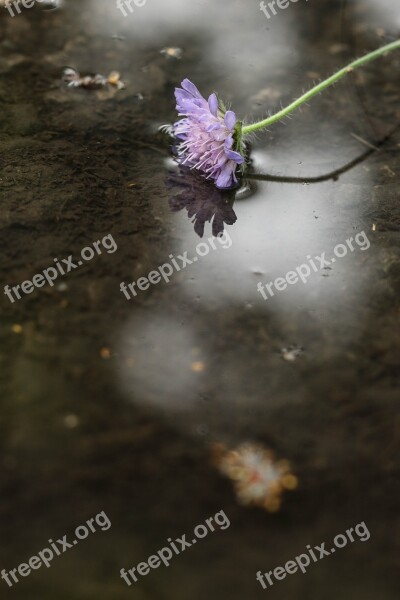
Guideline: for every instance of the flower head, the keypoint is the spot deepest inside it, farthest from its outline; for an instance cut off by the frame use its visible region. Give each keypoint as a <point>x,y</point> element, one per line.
<point>208,136</point>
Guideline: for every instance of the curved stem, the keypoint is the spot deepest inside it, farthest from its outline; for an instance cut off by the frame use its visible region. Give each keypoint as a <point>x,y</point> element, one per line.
<point>321,87</point>
<point>332,174</point>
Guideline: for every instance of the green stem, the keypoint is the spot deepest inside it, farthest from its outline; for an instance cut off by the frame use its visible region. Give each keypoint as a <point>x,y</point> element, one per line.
<point>321,87</point>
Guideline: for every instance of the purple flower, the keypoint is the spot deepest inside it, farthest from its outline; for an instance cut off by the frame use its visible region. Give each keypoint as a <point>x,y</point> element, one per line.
<point>208,138</point>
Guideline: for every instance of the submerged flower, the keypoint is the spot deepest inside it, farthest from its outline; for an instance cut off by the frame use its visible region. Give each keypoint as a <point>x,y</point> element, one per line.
<point>259,480</point>
<point>209,136</point>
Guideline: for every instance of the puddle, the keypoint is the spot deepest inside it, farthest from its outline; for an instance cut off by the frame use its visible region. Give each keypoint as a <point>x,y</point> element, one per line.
<point>115,404</point>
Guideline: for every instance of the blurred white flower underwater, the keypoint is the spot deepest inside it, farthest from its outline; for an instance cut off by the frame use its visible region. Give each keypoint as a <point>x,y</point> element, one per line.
<point>259,480</point>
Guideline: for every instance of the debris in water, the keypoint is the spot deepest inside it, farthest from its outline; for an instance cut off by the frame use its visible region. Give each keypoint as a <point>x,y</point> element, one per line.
<point>73,78</point>
<point>198,366</point>
<point>16,328</point>
<point>105,353</point>
<point>71,421</point>
<point>258,479</point>
<point>338,48</point>
<point>291,353</point>
<point>388,170</point>
<point>175,53</point>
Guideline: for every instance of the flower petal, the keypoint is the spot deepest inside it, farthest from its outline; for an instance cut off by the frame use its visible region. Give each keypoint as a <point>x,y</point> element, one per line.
<point>191,88</point>
<point>226,176</point>
<point>213,104</point>
<point>230,119</point>
<point>232,155</point>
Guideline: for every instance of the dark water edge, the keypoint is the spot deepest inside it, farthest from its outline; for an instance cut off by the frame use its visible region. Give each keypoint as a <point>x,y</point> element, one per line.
<point>102,406</point>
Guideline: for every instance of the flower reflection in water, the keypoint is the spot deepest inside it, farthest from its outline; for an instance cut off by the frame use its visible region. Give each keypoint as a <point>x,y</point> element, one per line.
<point>202,200</point>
